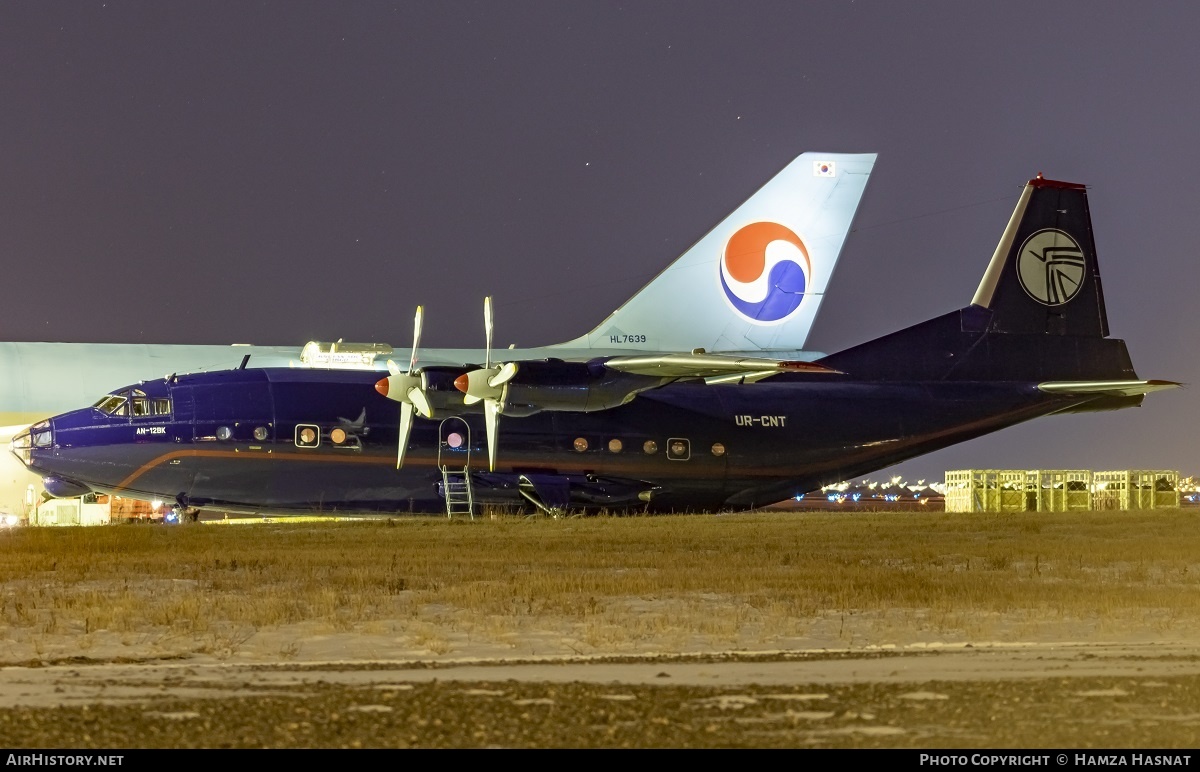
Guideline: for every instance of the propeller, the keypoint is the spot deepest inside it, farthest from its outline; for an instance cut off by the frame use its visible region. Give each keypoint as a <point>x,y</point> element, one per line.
<point>407,388</point>
<point>486,385</point>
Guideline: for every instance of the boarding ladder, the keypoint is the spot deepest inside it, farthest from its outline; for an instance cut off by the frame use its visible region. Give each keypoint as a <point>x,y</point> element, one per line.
<point>456,488</point>
<point>454,459</point>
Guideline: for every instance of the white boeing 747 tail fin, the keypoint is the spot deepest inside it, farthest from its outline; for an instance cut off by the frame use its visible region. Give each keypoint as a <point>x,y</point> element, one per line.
<point>755,281</point>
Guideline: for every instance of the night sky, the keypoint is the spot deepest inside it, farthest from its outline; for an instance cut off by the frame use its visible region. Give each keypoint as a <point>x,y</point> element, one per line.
<point>275,172</point>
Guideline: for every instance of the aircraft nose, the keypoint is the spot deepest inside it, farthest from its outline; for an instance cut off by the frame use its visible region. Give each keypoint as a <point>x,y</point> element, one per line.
<point>381,386</point>
<point>37,436</point>
<point>21,444</point>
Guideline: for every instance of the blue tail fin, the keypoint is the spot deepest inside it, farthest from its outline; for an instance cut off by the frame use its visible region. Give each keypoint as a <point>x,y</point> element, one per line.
<point>1038,314</point>
<point>1044,277</point>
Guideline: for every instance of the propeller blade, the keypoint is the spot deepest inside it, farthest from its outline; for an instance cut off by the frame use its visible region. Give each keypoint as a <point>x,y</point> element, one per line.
<point>470,400</point>
<point>491,414</point>
<point>408,389</point>
<point>505,374</point>
<point>487,330</point>
<point>412,361</point>
<point>417,398</point>
<point>406,411</point>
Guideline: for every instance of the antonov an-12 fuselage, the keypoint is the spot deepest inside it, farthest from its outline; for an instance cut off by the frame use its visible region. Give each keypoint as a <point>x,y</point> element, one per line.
<point>667,433</point>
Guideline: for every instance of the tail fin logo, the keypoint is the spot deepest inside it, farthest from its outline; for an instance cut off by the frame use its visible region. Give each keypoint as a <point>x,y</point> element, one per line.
<point>1051,267</point>
<point>765,285</point>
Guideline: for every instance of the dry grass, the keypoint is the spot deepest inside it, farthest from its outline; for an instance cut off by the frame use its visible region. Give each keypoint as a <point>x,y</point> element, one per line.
<point>612,581</point>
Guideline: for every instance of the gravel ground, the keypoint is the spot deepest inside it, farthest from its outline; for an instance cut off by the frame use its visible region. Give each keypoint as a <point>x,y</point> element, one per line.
<point>843,701</point>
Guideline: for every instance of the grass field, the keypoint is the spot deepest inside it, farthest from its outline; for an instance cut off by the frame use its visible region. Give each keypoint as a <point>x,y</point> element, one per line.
<point>675,583</point>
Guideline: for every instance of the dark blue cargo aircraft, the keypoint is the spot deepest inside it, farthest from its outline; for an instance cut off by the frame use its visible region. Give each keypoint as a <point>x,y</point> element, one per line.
<point>694,431</point>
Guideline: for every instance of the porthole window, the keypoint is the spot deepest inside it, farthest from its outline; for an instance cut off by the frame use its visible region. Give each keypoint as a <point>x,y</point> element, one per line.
<point>615,446</point>
<point>224,433</point>
<point>338,436</point>
<point>679,449</point>
<point>307,436</point>
<point>650,447</point>
<point>581,444</point>
<point>718,449</point>
<point>260,433</point>
<point>454,440</point>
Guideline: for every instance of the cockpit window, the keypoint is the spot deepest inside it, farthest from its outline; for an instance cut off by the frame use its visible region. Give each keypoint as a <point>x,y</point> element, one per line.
<point>112,404</point>
<point>133,402</point>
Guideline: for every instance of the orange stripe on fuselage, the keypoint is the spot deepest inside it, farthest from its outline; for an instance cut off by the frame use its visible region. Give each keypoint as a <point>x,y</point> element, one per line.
<point>685,470</point>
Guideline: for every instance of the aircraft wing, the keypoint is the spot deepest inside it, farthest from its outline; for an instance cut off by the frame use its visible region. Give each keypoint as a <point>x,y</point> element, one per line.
<point>720,367</point>
<point>525,387</point>
<point>1106,388</point>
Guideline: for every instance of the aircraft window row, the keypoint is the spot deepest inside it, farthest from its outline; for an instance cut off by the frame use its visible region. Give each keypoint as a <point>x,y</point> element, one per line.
<point>260,433</point>
<point>309,436</point>
<point>678,448</point>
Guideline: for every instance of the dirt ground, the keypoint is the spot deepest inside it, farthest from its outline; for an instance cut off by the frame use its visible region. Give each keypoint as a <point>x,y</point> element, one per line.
<point>1018,694</point>
<point>662,669</point>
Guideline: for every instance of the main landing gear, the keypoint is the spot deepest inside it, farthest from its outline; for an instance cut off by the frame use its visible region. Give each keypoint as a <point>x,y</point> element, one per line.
<point>181,512</point>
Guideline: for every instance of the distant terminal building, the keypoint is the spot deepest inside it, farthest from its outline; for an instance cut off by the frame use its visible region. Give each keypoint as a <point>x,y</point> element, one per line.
<point>1135,489</point>
<point>1060,490</point>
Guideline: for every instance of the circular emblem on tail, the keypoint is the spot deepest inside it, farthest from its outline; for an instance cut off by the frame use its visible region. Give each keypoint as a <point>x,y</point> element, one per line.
<point>1051,267</point>
<point>765,288</point>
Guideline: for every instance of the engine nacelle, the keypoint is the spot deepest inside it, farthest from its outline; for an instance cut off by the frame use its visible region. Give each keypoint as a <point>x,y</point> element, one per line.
<point>443,397</point>
<point>572,387</point>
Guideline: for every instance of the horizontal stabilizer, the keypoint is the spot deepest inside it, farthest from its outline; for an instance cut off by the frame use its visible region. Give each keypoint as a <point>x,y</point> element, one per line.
<point>1107,388</point>
<point>702,365</point>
